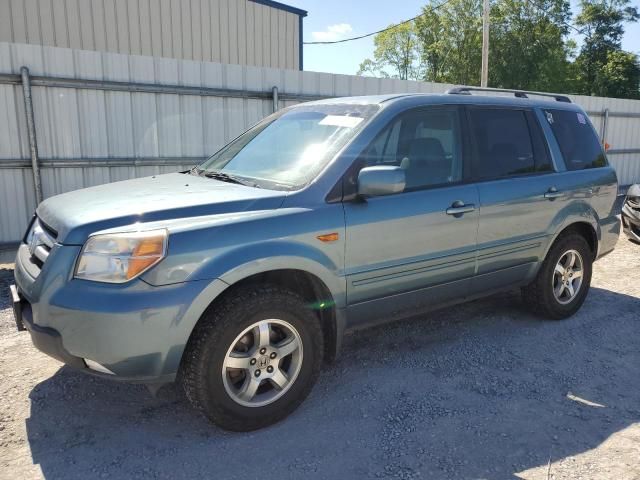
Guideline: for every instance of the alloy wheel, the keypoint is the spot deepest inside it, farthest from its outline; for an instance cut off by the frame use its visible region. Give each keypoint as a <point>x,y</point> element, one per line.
<point>567,277</point>
<point>262,363</point>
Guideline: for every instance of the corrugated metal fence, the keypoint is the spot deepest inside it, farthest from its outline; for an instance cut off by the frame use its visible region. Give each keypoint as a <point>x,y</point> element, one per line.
<point>103,117</point>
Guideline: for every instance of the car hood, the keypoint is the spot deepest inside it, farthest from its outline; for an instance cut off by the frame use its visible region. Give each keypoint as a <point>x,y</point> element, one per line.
<point>634,190</point>
<point>78,214</point>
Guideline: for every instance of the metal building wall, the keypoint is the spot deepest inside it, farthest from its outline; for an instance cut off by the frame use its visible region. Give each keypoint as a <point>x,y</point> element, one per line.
<point>88,137</point>
<point>240,32</point>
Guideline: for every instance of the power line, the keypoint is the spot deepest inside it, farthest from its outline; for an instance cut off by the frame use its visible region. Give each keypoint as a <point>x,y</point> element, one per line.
<point>540,8</point>
<point>432,9</point>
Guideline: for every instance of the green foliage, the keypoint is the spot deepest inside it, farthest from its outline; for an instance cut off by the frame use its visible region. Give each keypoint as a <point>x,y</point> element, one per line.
<point>396,49</point>
<point>451,42</point>
<point>601,60</point>
<point>529,47</point>
<point>620,76</point>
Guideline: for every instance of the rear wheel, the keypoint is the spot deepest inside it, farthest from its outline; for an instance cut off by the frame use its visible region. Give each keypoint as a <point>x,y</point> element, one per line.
<point>253,358</point>
<point>563,280</point>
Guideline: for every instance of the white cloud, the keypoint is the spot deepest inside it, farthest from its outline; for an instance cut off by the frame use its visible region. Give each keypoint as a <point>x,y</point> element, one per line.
<point>333,33</point>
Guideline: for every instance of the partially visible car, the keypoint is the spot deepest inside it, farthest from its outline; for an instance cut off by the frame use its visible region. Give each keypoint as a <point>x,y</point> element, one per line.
<point>631,213</point>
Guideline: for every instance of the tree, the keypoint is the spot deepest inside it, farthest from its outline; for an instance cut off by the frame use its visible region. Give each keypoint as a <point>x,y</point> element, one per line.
<point>447,41</point>
<point>451,41</point>
<point>528,48</point>
<point>620,76</point>
<point>602,23</point>
<point>395,49</point>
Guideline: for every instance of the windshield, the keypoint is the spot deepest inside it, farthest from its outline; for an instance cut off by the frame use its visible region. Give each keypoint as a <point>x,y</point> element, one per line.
<point>288,150</point>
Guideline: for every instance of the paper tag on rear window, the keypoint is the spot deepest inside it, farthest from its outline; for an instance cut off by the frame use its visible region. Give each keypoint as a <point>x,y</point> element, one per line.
<point>341,121</point>
<point>581,119</point>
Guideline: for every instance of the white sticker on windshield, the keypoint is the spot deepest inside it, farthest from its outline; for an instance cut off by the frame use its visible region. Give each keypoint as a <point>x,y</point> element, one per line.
<point>341,121</point>
<point>581,119</point>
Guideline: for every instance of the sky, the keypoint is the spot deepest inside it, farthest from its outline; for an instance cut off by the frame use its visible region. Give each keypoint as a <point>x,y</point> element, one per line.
<point>337,19</point>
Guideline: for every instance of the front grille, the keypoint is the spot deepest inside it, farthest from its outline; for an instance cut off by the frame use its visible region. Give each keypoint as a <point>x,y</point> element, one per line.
<point>634,202</point>
<point>40,241</point>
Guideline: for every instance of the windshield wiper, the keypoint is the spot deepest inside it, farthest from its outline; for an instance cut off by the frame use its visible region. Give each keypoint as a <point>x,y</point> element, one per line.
<point>225,177</point>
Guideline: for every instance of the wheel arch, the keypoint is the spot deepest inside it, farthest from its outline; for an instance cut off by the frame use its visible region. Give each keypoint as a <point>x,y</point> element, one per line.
<point>313,290</point>
<point>536,293</point>
<point>309,286</point>
<point>584,228</point>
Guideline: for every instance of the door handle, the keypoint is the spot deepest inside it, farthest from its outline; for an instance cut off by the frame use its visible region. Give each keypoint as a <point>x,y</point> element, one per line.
<point>552,193</point>
<point>458,208</point>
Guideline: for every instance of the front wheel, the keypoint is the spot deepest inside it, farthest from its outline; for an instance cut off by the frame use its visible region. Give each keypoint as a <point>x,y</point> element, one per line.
<point>253,358</point>
<point>563,281</point>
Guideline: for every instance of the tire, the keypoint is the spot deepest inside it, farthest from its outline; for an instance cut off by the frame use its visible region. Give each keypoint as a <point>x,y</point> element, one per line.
<point>539,295</point>
<point>220,392</point>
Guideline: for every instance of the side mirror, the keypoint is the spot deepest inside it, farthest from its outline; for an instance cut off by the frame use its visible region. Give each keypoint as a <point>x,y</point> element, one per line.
<point>380,180</point>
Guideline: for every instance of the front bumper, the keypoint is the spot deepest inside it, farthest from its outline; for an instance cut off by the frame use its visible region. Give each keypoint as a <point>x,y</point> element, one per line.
<point>45,339</point>
<point>631,223</point>
<point>135,331</point>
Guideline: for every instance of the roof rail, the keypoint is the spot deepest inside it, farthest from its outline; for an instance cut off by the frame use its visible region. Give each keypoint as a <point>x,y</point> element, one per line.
<point>517,93</point>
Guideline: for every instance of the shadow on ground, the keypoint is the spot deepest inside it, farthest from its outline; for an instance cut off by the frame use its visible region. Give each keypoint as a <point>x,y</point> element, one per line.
<point>6,278</point>
<point>475,391</point>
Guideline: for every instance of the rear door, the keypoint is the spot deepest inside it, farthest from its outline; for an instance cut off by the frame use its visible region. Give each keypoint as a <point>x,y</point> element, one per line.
<point>410,250</point>
<point>518,190</point>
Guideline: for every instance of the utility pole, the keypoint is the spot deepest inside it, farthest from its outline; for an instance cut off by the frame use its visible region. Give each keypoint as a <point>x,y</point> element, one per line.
<point>485,44</point>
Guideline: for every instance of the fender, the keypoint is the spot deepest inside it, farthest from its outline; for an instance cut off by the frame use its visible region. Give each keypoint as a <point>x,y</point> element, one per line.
<point>247,260</point>
<point>574,212</point>
<point>225,270</point>
<point>186,323</point>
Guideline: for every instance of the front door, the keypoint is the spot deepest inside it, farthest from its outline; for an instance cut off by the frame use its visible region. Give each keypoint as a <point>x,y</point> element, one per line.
<point>414,249</point>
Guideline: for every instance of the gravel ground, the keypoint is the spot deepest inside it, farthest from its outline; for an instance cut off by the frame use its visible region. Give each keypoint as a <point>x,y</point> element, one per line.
<point>482,390</point>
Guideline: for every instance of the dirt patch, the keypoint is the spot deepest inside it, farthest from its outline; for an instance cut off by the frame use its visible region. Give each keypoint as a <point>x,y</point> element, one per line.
<point>482,390</point>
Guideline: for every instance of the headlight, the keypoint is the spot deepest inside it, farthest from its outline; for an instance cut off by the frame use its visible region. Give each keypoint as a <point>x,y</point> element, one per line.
<point>119,257</point>
<point>30,233</point>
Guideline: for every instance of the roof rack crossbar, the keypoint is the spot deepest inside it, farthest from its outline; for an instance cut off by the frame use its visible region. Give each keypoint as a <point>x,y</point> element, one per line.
<point>517,93</point>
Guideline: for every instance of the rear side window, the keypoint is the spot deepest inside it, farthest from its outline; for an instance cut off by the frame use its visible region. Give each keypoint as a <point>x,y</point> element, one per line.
<point>504,143</point>
<point>578,142</point>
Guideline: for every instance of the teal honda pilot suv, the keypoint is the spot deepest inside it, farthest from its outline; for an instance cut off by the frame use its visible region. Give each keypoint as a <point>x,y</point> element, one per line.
<point>241,276</point>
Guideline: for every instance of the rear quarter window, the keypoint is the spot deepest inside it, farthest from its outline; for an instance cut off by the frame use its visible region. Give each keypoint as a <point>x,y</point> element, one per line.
<point>577,140</point>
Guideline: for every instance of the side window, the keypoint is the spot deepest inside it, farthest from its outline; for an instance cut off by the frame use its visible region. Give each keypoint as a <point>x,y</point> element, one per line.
<point>383,149</point>
<point>504,143</point>
<point>425,143</point>
<point>578,142</point>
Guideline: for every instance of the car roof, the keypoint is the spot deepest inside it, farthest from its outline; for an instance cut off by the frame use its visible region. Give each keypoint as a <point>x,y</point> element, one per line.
<point>417,99</point>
